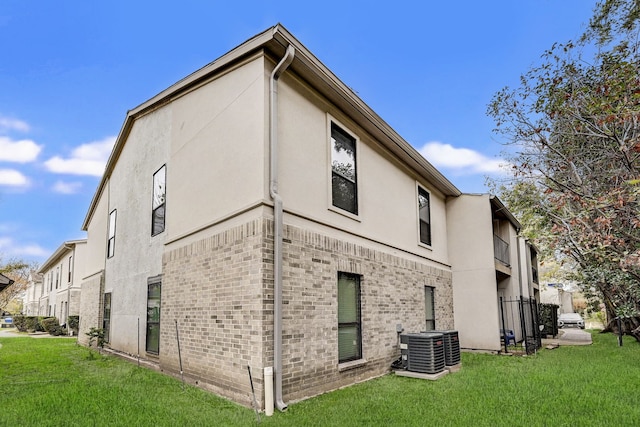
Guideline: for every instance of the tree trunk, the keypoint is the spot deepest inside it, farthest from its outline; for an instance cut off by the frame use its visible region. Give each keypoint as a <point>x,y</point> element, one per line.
<point>630,326</point>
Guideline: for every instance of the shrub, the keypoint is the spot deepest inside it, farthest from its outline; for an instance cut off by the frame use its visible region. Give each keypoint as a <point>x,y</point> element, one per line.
<point>33,324</point>
<point>96,334</point>
<point>20,322</point>
<point>73,324</point>
<point>549,318</point>
<point>50,324</point>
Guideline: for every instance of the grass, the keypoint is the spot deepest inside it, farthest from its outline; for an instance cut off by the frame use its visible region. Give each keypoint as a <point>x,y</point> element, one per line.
<point>54,382</point>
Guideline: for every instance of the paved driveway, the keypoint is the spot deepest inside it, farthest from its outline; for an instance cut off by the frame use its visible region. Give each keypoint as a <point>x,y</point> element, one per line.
<point>570,336</point>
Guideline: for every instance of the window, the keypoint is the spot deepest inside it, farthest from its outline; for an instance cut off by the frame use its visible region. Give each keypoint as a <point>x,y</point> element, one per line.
<point>429,308</point>
<point>153,318</point>
<point>106,318</point>
<point>111,243</point>
<point>425,216</point>
<point>158,202</point>
<point>57,276</point>
<point>349,327</point>
<point>70,268</point>
<point>344,187</point>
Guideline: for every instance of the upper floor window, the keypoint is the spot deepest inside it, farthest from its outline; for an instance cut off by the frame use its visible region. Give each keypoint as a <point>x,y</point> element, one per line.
<point>57,276</point>
<point>111,242</point>
<point>70,268</point>
<point>344,186</point>
<point>424,207</point>
<point>159,201</point>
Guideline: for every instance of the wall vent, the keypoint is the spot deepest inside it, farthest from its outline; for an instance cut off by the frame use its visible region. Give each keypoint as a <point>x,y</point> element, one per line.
<point>423,353</point>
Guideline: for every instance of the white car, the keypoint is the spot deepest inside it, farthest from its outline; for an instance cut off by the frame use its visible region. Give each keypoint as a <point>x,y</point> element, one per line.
<point>570,319</point>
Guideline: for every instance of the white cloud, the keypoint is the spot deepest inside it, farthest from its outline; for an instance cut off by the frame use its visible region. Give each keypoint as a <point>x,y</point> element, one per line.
<point>10,248</point>
<point>461,160</point>
<point>7,123</point>
<point>87,159</point>
<point>66,187</point>
<point>22,151</point>
<point>13,178</point>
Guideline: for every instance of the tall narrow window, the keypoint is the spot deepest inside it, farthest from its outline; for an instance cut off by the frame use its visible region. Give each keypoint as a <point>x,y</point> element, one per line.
<point>57,276</point>
<point>111,243</point>
<point>159,201</point>
<point>153,318</point>
<point>344,186</point>
<point>70,268</point>
<point>429,308</point>
<point>106,317</point>
<point>424,215</point>
<point>349,326</point>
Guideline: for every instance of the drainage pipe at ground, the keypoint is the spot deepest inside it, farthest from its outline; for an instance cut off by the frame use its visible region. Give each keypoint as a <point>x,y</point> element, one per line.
<point>278,223</point>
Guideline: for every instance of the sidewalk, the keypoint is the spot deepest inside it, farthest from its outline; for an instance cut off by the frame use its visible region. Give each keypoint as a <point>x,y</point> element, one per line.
<point>569,337</point>
<point>13,333</point>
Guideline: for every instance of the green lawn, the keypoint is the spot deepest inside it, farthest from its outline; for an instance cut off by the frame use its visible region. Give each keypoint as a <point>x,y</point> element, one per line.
<point>54,382</point>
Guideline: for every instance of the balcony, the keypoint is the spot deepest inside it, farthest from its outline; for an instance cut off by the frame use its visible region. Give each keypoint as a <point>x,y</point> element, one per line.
<point>501,250</point>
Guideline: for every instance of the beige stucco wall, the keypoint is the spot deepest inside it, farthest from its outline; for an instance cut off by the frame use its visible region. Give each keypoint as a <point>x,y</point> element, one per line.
<point>387,191</point>
<point>95,254</point>
<point>138,255</point>
<point>476,310</point>
<point>217,150</point>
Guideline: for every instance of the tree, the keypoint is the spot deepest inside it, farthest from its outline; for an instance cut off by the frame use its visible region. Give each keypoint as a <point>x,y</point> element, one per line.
<point>19,271</point>
<point>575,120</point>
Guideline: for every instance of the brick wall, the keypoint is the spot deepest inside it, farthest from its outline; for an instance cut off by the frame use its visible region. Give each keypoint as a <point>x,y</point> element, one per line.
<point>220,291</point>
<point>90,306</point>
<point>392,292</point>
<point>214,289</point>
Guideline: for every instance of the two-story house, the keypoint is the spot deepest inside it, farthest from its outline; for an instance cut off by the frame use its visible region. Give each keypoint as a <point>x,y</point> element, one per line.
<point>32,295</point>
<point>258,213</point>
<point>59,290</point>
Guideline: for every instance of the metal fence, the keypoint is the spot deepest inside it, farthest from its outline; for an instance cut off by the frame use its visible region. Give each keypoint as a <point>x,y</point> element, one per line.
<point>521,316</point>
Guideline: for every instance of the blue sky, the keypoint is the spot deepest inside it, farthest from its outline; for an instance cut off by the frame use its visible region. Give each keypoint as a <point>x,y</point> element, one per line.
<point>70,70</point>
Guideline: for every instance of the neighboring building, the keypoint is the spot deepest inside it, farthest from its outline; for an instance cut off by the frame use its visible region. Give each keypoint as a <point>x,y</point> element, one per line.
<point>493,268</point>
<point>33,293</point>
<point>183,231</point>
<point>562,295</point>
<point>59,293</point>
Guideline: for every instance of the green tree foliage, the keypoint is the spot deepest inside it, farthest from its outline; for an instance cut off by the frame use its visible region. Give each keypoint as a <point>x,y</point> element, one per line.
<point>19,271</point>
<point>575,123</point>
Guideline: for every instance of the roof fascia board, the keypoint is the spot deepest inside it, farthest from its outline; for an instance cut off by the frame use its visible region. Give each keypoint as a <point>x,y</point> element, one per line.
<point>52,260</point>
<point>500,207</point>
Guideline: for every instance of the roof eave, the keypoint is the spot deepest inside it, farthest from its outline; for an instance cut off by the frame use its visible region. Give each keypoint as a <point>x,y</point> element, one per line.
<point>66,246</point>
<point>275,40</point>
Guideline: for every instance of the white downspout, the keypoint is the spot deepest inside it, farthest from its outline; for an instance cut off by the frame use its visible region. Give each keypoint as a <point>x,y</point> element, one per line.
<point>278,223</point>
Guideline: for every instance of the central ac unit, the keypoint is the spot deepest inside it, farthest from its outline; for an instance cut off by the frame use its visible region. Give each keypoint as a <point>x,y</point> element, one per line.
<point>423,353</point>
<point>451,347</point>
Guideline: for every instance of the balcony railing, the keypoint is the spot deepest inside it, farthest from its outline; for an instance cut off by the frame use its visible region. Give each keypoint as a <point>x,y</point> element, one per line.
<point>501,250</point>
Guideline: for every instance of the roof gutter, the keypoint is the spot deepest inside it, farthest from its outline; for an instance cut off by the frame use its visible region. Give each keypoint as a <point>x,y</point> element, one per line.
<point>278,223</point>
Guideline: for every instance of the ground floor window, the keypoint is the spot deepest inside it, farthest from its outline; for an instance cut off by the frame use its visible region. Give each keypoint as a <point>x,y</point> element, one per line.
<point>153,318</point>
<point>106,317</point>
<point>429,308</point>
<point>349,324</point>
